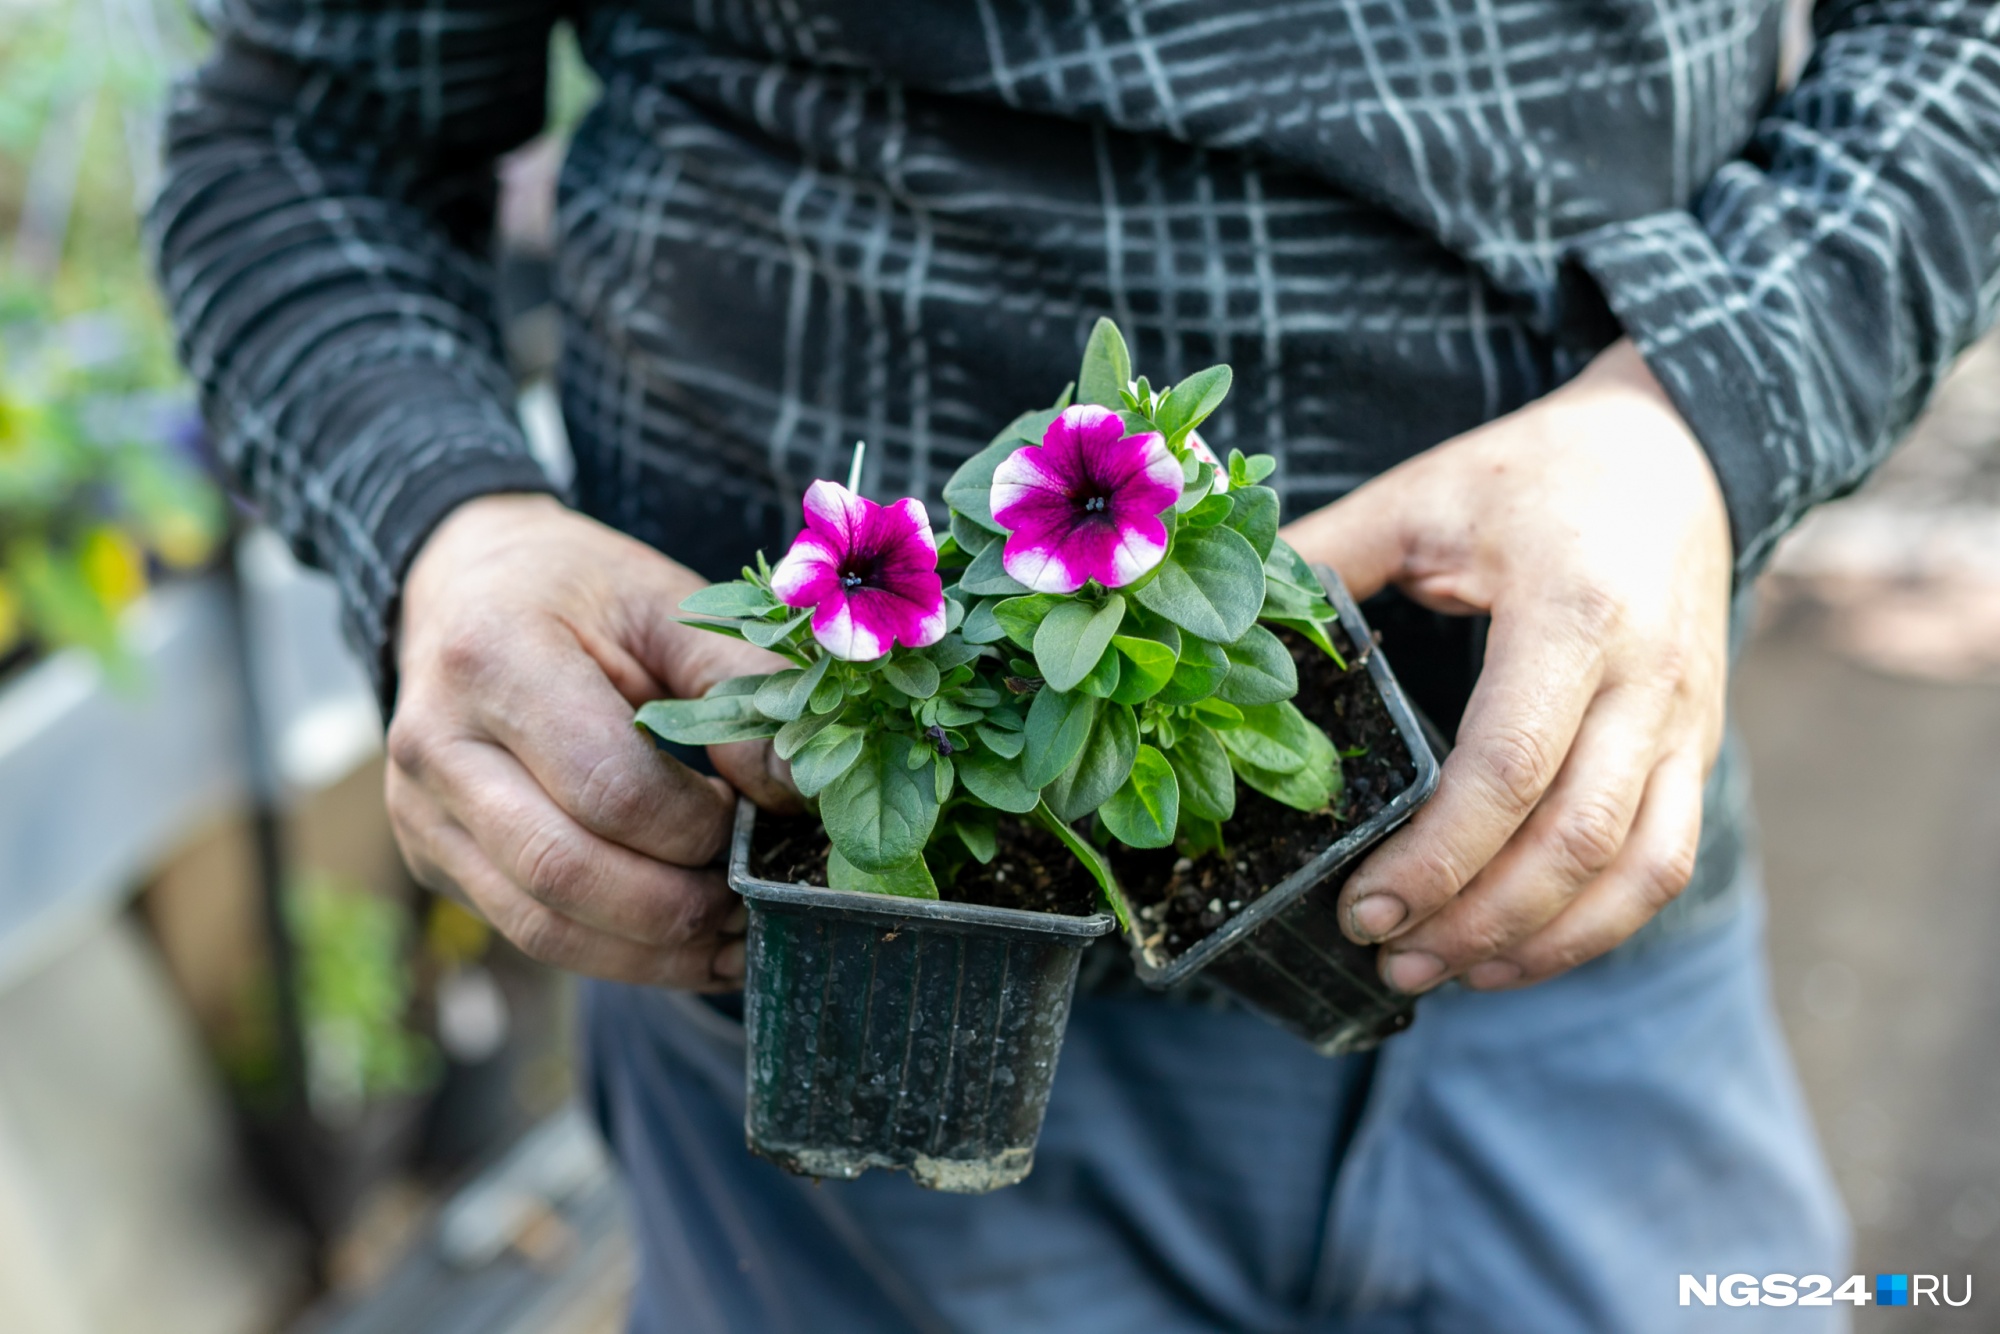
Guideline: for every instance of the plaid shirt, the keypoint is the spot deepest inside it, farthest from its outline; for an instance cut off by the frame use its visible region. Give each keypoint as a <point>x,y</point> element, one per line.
<point>789,224</point>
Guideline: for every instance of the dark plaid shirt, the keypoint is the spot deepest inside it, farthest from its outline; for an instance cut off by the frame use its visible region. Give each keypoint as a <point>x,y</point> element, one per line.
<point>790,224</point>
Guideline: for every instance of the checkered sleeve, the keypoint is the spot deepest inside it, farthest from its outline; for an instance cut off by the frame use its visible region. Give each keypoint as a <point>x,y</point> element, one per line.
<point>321,236</point>
<point>1802,310</point>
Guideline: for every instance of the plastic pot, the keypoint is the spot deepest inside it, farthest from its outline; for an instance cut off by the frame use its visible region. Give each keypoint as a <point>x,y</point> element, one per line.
<point>1283,954</point>
<point>908,1034</point>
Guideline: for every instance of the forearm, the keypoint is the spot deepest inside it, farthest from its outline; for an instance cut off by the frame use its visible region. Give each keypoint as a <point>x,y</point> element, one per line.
<point>1802,310</point>
<point>322,260</point>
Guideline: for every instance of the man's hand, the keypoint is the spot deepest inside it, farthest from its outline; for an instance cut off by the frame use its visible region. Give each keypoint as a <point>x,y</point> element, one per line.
<point>516,779</point>
<point>1590,525</point>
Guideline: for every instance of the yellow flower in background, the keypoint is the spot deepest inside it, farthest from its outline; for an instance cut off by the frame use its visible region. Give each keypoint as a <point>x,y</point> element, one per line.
<point>183,538</point>
<point>454,935</point>
<point>12,618</point>
<point>17,425</point>
<point>113,566</point>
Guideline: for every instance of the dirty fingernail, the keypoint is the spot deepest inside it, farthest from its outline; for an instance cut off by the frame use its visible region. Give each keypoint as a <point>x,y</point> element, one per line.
<point>728,963</point>
<point>736,922</point>
<point>1494,973</point>
<point>1377,915</point>
<point>1411,970</point>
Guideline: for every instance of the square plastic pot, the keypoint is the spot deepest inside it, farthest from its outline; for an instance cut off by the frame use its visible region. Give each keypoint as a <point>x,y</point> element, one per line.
<point>1283,954</point>
<point>908,1034</point>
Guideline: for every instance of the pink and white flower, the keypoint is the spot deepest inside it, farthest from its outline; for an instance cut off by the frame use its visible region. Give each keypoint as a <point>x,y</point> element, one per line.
<point>1085,503</point>
<point>868,571</point>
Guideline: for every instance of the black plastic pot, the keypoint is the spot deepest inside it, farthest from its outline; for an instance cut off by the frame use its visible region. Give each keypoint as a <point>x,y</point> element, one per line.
<point>1283,954</point>
<point>901,1033</point>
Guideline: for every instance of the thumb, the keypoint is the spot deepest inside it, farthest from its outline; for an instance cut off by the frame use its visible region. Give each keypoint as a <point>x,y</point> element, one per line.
<point>1364,535</point>
<point>691,662</point>
<point>754,769</point>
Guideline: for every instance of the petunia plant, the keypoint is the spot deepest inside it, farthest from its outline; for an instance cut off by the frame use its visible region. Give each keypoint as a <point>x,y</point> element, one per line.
<point>1089,645</point>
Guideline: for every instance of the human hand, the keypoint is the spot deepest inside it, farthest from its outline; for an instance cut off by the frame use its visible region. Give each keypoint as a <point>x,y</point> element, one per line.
<point>516,779</point>
<point>1589,524</point>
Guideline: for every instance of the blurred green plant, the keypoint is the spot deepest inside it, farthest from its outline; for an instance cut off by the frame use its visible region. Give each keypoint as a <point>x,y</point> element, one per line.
<point>93,495</point>
<point>353,951</point>
<point>93,498</point>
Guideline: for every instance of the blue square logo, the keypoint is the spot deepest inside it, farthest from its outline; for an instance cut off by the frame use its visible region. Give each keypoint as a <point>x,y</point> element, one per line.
<point>1892,1289</point>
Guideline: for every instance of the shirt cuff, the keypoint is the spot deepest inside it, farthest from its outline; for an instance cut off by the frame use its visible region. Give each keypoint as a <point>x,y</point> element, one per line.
<point>1678,299</point>
<point>424,467</point>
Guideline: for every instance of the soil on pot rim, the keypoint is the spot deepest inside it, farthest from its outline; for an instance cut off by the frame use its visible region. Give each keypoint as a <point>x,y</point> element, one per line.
<point>1180,903</point>
<point>1031,870</point>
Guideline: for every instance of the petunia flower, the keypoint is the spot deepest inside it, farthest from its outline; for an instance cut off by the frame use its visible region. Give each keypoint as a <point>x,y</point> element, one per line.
<point>1085,503</point>
<point>868,571</point>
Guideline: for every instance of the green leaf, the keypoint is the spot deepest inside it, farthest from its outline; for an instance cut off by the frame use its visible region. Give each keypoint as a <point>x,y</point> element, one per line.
<point>880,812</point>
<point>941,778</point>
<point>911,673</point>
<point>997,782</point>
<point>951,651</point>
<point>1144,810</point>
<point>1093,862</point>
<point>1209,512</point>
<point>826,757</point>
<point>1107,368</point>
<point>1104,677</point>
<point>1007,745</point>
<point>988,578</point>
<point>1254,513</point>
<point>734,599</point>
<point>1250,470</point>
<point>1097,772</point>
<point>1073,636</point>
<point>1261,670</point>
<point>952,713</point>
<point>1021,617</point>
<point>1147,666</point>
<point>1198,675</point>
<point>794,735</point>
<point>970,490</point>
<point>979,835</point>
<point>1189,403</point>
<point>785,695</point>
<point>714,721</point>
<point>767,634</point>
<point>1273,737</point>
<point>1210,585</point>
<point>905,880</point>
<point>1218,713</point>
<point>828,694</point>
<point>1315,785</point>
<point>971,538</point>
<point>1207,784</point>
<point>727,629</point>
<point>1058,727</point>
<point>981,627</point>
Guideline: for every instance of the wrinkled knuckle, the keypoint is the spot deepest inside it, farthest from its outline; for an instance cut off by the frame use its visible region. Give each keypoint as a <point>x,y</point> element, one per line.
<point>413,743</point>
<point>1519,764</point>
<point>1586,839</point>
<point>611,799</point>
<point>1662,880</point>
<point>1594,612</point>
<point>541,934</point>
<point>554,865</point>
<point>466,653</point>
<point>1480,941</point>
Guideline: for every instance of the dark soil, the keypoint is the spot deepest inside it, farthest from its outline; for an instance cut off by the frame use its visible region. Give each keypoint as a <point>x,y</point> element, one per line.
<point>1181,903</point>
<point>1032,870</point>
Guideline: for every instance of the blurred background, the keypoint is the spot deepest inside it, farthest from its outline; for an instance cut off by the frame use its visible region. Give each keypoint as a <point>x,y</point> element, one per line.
<point>252,1080</point>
